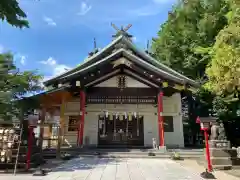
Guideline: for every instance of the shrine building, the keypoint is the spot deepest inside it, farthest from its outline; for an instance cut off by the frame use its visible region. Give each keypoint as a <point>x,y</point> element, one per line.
<point>120,96</point>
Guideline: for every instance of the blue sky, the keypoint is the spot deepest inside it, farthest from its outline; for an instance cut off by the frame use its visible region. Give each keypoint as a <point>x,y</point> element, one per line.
<point>61,32</point>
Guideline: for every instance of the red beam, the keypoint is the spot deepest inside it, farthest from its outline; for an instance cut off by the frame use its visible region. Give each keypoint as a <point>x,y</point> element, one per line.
<point>160,119</point>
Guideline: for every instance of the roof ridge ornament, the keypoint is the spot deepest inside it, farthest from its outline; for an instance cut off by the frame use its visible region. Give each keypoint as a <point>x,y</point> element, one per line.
<point>122,31</point>
<point>148,50</point>
<point>95,49</point>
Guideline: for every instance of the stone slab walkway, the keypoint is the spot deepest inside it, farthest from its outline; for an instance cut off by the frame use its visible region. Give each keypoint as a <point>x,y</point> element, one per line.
<point>115,169</point>
<point>220,175</point>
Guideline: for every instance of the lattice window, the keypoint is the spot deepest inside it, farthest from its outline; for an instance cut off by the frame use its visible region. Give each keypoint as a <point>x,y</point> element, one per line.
<point>121,82</point>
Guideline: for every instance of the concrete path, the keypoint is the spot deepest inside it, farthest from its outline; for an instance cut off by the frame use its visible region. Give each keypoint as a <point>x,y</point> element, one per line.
<point>116,169</point>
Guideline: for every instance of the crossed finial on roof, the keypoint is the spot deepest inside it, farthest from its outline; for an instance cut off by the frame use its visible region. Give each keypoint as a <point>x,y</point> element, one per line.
<point>122,30</point>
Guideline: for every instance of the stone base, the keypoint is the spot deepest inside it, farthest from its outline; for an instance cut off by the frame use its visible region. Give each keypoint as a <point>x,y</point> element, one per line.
<point>221,155</point>
<point>207,175</point>
<point>219,144</point>
<point>216,152</point>
<point>162,149</point>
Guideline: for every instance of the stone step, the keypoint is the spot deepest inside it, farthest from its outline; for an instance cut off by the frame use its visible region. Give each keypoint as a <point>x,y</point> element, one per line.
<point>222,167</point>
<point>201,162</point>
<point>235,161</point>
<point>215,152</point>
<point>221,161</point>
<point>10,166</point>
<point>84,150</point>
<point>51,153</point>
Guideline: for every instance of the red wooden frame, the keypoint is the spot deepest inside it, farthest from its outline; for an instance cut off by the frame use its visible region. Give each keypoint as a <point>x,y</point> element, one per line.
<point>160,119</point>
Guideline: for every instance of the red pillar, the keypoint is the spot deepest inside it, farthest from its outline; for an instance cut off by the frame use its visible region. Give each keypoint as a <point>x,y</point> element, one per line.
<point>160,119</point>
<point>207,151</point>
<point>30,143</point>
<point>82,117</point>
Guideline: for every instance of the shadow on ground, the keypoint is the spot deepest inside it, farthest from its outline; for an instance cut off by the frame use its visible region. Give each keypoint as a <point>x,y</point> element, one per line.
<point>85,163</point>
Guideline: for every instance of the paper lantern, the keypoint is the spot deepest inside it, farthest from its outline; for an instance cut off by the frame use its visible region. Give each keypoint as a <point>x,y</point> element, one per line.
<point>121,117</point>
<point>110,117</point>
<point>78,83</point>
<point>125,115</point>
<point>106,114</point>
<point>130,116</point>
<point>117,115</point>
<point>135,115</point>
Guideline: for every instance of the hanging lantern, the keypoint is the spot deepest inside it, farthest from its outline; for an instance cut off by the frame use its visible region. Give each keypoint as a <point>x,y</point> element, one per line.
<point>110,117</point>
<point>135,115</point>
<point>121,117</point>
<point>78,83</point>
<point>130,116</point>
<point>106,114</point>
<point>125,115</point>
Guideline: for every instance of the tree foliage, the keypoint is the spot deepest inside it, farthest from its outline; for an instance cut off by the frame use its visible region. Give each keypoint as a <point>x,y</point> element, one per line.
<point>224,69</point>
<point>11,12</point>
<point>13,86</point>
<point>201,39</point>
<point>191,27</point>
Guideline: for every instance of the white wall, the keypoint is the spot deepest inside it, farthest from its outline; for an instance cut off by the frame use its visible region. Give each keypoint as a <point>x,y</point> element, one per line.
<point>171,107</point>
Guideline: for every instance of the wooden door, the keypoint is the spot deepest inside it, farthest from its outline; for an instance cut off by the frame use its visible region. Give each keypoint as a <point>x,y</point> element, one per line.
<point>120,131</point>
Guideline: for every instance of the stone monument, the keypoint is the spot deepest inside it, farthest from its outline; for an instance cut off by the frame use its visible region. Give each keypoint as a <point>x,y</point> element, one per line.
<point>214,131</point>
<point>221,132</point>
<point>220,150</point>
<point>154,143</point>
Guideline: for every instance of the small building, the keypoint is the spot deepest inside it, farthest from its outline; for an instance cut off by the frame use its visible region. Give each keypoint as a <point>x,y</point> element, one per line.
<point>120,96</point>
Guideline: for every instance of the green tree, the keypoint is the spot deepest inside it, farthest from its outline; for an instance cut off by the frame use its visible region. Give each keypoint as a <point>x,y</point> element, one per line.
<point>13,86</point>
<point>184,42</point>
<point>224,69</point>
<point>191,24</point>
<point>12,13</point>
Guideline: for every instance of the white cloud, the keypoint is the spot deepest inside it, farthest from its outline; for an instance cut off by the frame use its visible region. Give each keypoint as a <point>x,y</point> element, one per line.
<point>20,58</point>
<point>84,9</point>
<point>23,60</point>
<point>60,68</point>
<point>50,61</point>
<point>55,68</point>
<point>49,21</point>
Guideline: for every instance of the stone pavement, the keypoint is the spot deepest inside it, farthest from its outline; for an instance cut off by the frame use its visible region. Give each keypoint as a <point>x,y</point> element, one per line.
<point>115,169</point>
<point>220,175</point>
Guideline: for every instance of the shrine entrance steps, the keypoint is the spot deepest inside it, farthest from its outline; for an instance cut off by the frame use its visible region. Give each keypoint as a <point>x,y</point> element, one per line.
<point>130,152</point>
